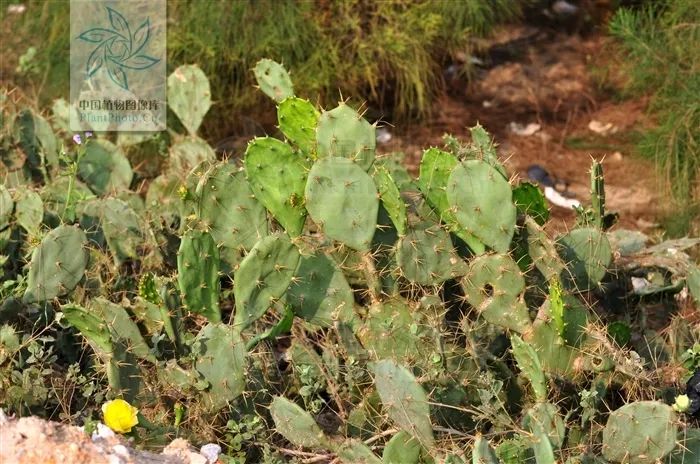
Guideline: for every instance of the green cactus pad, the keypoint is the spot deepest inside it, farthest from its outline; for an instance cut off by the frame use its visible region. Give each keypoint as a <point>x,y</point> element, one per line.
<point>121,327</point>
<point>529,364</point>
<point>319,292</point>
<point>545,417</point>
<point>587,255</point>
<point>494,286</point>
<point>426,256</point>
<point>435,168</point>
<point>482,202</point>
<point>219,355</point>
<point>296,425</point>
<point>198,274</point>
<point>277,176</point>
<point>404,400</point>
<point>402,449</point>
<point>29,210</point>
<point>263,277</point>
<point>187,153</point>
<point>273,80</point>
<point>342,132</point>
<point>229,211</point>
<point>104,167</point>
<point>542,251</point>
<point>122,229</point>
<point>391,198</point>
<point>640,433</point>
<point>90,326</point>
<point>354,451</point>
<point>57,264</point>
<point>394,330</point>
<point>189,96</point>
<point>343,200</point>
<point>529,200</point>
<point>37,140</point>
<point>297,120</point>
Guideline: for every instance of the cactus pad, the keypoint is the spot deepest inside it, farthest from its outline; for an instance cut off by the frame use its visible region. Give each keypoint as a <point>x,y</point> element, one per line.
<point>343,200</point>
<point>273,80</point>
<point>426,256</point>
<point>198,274</point>
<point>57,264</point>
<point>482,202</point>
<point>640,433</point>
<point>494,286</point>
<point>391,198</point>
<point>296,425</point>
<point>297,120</point>
<point>104,167</point>
<point>342,132</point>
<point>189,96</point>
<point>277,176</point>
<point>587,255</point>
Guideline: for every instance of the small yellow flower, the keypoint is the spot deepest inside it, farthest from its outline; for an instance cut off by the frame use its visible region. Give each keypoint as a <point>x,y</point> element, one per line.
<point>119,415</point>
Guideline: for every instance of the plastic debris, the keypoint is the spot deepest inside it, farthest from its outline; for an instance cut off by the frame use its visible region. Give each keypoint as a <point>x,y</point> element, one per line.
<point>558,199</point>
<point>524,131</point>
<point>383,136</point>
<point>602,128</point>
<point>211,451</point>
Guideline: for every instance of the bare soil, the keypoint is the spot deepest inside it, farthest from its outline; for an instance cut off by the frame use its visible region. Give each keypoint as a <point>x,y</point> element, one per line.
<point>551,82</point>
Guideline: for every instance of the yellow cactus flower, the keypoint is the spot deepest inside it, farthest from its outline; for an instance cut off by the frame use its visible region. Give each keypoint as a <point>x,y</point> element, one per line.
<point>119,415</point>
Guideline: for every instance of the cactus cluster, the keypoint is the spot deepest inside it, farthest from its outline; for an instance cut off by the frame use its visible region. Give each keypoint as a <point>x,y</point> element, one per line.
<point>362,314</point>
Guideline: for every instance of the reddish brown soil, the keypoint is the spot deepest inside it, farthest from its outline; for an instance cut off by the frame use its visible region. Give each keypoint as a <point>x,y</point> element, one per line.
<point>550,84</point>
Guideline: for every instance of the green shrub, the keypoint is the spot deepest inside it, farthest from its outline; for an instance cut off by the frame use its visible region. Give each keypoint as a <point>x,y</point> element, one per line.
<point>661,43</point>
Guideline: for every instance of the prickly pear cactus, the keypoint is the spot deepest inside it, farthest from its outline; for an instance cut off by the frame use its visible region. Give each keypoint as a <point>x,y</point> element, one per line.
<point>263,277</point>
<point>342,199</point>
<point>426,256</point>
<point>482,201</point>
<point>296,425</point>
<point>29,210</point>
<point>57,264</point>
<point>404,399</point>
<point>529,364</point>
<point>342,132</point>
<point>228,210</point>
<point>198,274</point>
<point>219,353</point>
<point>277,176</point>
<point>273,80</point>
<point>319,292</point>
<point>189,96</point>
<point>435,168</point>
<point>482,453</point>
<point>494,286</point>
<point>297,120</point>
<point>391,199</point>
<point>187,153</point>
<point>402,449</point>
<point>104,167</point>
<point>587,254</point>
<point>640,433</point>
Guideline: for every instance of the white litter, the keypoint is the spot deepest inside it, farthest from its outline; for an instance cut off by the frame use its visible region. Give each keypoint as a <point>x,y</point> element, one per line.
<point>102,431</point>
<point>524,131</point>
<point>558,199</point>
<point>383,136</point>
<point>602,128</point>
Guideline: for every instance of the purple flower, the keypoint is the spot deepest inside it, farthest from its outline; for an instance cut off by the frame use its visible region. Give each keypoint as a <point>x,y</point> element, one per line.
<point>77,139</point>
<point>88,134</point>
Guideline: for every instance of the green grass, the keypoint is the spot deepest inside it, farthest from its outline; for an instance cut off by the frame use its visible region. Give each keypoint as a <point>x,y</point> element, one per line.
<point>389,53</point>
<point>661,44</point>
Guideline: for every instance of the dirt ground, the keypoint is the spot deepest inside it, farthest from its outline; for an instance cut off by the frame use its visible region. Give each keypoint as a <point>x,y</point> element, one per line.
<point>551,82</point>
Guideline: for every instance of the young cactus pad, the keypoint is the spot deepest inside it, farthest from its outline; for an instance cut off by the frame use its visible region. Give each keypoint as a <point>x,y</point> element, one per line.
<point>343,132</point>
<point>342,199</point>
<point>296,425</point>
<point>273,80</point>
<point>57,264</point>
<point>277,175</point>
<point>297,120</point>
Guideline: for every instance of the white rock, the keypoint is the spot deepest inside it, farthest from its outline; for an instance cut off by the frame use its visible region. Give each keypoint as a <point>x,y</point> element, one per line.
<point>524,131</point>
<point>211,451</point>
